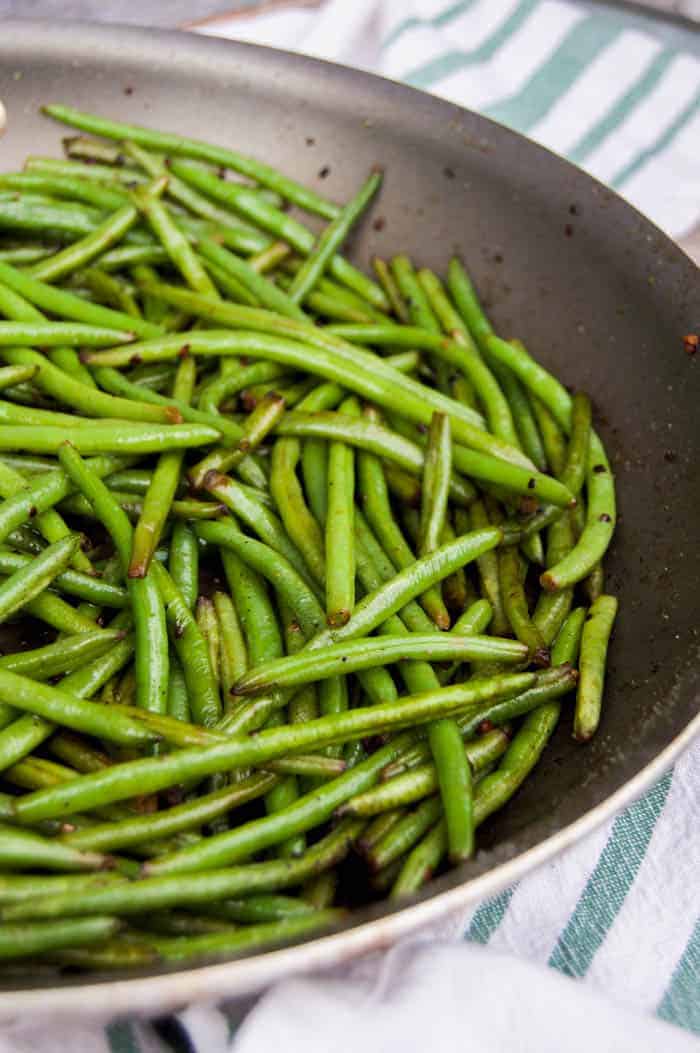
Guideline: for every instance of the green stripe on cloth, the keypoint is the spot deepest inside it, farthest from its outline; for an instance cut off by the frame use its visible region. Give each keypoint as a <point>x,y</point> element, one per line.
<point>453,61</point>
<point>443,19</point>
<point>121,1037</point>
<point>551,80</point>
<point>622,108</point>
<point>681,1003</point>
<point>488,917</point>
<point>609,883</point>
<point>661,143</point>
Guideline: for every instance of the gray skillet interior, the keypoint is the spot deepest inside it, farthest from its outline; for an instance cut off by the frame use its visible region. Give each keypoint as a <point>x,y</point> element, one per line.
<point>593,289</point>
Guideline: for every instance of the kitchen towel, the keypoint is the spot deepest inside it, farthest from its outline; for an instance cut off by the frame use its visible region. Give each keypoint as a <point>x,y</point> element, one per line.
<point>601,946</point>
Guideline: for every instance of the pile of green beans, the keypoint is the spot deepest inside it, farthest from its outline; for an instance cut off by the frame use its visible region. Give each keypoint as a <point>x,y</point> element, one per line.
<point>296,563</point>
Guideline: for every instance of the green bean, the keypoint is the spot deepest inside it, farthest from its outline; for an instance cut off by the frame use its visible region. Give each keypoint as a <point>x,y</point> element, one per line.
<point>265,292</point>
<point>299,522</point>
<point>487,565</point>
<point>376,607</point>
<point>594,648</point>
<point>105,437</point>
<point>457,351</point>
<point>18,941</point>
<point>14,888</point>
<point>31,580</point>
<point>553,607</point>
<point>56,334</point>
<point>574,470</point>
<point>69,710</point>
<point>552,436</point>
<point>132,255</point>
<point>339,534</point>
<point>252,937</point>
<point>58,614</point>
<point>66,305</point>
<point>421,781</point>
<point>516,607</point>
<point>268,259</point>
<point>18,309</point>
<point>37,214</point>
<point>436,481</point>
<point>182,734</point>
<point>182,147</point>
<point>374,831</point>
<point>331,240</point>
<point>161,492</point>
<point>202,689</point>
<point>420,863</point>
<point>468,359</point>
<point>599,527</point>
<point>104,837</point>
<point>351,656</point>
<point>523,753</point>
<point>404,834</point>
<point>108,290</point>
<point>151,655</point>
<point>235,379</point>
<point>173,240</point>
<point>71,391</point>
<point>256,516</point>
<point>377,507</point>
<point>491,793</point>
<point>11,375</point>
<point>81,252</point>
<point>276,569</point>
<point>208,626</point>
<point>594,584</point>
<point>231,287</point>
<point>391,289</point>
<point>255,430</point>
<point>419,309</point>
<point>319,893</point>
<point>93,151</point>
<point>566,645</point>
<point>42,663</point>
<point>133,505</point>
<point>184,562</point>
<point>87,680</point>
<point>78,754</point>
<point>295,819</point>
<point>178,706</point>
<point>464,296</point>
<point>21,737</point>
<point>62,183</point>
<point>23,254</point>
<point>375,568</point>
<point>234,654</point>
<point>524,419</point>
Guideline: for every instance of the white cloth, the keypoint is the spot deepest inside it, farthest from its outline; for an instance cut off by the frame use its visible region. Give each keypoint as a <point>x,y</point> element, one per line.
<point>444,997</point>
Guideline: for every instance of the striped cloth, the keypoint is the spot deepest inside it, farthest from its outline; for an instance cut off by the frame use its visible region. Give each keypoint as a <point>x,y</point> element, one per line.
<point>620,97</point>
